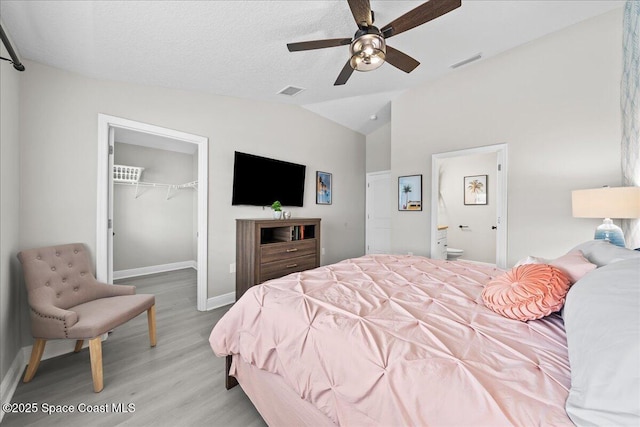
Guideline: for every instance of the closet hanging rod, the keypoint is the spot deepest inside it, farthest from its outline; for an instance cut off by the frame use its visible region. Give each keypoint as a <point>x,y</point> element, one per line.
<point>169,187</point>
<point>192,184</point>
<point>15,59</point>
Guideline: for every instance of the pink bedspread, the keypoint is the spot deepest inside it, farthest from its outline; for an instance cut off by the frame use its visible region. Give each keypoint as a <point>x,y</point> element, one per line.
<point>401,340</point>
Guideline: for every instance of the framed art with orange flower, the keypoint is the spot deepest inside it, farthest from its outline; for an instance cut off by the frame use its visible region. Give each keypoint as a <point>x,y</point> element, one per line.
<point>475,190</point>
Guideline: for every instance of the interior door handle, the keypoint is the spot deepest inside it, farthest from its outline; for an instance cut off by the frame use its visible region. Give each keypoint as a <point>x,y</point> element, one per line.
<point>493,227</point>
<point>463,226</point>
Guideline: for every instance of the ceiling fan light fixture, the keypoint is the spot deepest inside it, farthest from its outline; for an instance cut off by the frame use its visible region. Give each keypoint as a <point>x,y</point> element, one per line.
<point>368,51</point>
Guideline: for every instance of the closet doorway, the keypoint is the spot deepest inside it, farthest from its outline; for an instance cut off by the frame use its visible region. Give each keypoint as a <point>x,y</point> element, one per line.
<point>140,139</point>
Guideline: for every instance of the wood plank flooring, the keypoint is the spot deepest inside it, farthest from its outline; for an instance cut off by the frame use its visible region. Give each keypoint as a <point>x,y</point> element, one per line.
<point>180,382</point>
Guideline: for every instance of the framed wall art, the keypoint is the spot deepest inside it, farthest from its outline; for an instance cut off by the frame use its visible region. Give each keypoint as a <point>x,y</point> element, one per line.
<point>475,190</point>
<point>323,188</point>
<point>410,193</point>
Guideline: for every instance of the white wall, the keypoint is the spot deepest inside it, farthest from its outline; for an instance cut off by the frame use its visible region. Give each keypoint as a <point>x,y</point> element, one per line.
<point>379,149</point>
<point>58,130</point>
<point>478,240</point>
<point>151,230</point>
<point>11,291</point>
<point>554,101</point>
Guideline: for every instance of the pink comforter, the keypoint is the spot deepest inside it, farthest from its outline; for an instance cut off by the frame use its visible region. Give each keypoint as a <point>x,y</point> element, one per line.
<point>401,340</point>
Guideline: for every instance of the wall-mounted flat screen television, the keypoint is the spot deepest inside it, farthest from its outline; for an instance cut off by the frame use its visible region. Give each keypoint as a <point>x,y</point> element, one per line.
<point>260,181</point>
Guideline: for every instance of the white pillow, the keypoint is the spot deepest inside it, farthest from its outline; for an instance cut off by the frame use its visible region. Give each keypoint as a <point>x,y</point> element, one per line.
<point>531,260</point>
<point>602,321</point>
<point>573,264</point>
<point>601,252</point>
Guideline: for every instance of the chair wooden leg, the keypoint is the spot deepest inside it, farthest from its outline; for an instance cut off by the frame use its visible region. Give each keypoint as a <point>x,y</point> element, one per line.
<point>34,361</point>
<point>95,352</point>
<point>151,317</point>
<point>78,346</point>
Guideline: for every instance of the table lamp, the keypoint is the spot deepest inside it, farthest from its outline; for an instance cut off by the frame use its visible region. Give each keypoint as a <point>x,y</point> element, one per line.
<point>607,203</point>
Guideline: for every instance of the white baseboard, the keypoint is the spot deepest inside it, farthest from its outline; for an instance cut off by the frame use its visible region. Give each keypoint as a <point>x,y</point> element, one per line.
<point>11,379</point>
<point>221,300</point>
<point>143,271</point>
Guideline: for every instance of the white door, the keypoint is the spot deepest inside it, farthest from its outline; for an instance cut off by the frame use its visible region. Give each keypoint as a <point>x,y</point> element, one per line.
<point>378,224</point>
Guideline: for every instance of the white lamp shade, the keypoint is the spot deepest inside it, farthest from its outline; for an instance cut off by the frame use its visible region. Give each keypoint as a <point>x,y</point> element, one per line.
<point>606,202</point>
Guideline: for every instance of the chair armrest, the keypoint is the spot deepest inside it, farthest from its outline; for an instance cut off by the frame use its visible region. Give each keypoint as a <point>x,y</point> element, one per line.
<point>50,322</point>
<point>104,290</point>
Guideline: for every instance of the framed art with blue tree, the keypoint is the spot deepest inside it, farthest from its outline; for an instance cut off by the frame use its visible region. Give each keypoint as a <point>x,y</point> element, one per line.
<point>323,188</point>
<point>410,193</point>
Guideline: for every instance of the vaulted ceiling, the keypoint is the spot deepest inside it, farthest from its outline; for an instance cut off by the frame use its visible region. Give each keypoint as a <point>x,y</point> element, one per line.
<point>238,48</point>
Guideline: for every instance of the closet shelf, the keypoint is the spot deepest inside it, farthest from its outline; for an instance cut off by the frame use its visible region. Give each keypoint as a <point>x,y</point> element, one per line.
<point>170,187</point>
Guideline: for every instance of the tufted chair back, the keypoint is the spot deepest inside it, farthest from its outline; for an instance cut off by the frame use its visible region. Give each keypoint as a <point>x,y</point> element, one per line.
<point>59,275</point>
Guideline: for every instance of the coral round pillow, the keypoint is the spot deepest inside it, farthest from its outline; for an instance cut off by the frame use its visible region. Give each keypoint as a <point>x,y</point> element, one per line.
<point>527,292</point>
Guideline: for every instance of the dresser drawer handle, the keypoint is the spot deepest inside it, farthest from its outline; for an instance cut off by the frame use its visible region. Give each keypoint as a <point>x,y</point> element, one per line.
<point>292,265</point>
<point>292,250</point>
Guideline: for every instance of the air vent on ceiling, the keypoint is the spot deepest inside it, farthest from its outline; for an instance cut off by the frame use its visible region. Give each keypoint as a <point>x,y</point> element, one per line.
<point>466,61</point>
<point>291,91</point>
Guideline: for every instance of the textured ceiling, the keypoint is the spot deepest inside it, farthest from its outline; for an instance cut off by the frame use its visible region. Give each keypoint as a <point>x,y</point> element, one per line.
<point>238,48</point>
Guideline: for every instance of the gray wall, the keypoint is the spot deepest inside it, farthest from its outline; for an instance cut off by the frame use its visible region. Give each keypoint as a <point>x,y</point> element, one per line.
<point>11,292</point>
<point>555,102</point>
<point>58,132</point>
<point>151,230</point>
<point>379,149</point>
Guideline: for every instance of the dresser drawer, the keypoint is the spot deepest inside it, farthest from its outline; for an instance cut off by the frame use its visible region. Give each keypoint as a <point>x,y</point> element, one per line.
<point>281,268</point>
<point>287,250</point>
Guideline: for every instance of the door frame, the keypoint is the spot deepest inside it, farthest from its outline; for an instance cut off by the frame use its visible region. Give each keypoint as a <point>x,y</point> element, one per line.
<point>501,196</point>
<point>368,207</point>
<point>104,251</point>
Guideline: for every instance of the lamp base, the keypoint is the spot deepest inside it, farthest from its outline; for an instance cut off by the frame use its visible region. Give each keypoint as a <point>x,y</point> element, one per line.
<point>610,232</point>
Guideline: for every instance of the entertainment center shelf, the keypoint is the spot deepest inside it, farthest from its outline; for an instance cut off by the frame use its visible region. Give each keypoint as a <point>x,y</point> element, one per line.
<point>271,248</point>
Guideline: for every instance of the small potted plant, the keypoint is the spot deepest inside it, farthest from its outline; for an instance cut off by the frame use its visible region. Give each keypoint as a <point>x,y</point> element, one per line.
<point>277,209</point>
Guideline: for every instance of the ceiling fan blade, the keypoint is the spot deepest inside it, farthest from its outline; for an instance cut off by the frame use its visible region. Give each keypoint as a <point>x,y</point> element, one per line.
<point>418,16</point>
<point>400,60</point>
<point>317,44</point>
<point>344,74</point>
<point>361,10</point>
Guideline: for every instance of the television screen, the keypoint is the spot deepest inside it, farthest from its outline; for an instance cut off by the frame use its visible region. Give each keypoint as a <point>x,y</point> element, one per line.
<point>260,181</point>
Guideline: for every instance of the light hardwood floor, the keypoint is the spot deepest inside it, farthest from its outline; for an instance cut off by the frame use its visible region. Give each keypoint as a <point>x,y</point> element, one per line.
<point>180,382</point>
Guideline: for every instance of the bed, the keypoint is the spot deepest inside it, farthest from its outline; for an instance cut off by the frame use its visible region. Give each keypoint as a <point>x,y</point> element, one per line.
<point>384,340</point>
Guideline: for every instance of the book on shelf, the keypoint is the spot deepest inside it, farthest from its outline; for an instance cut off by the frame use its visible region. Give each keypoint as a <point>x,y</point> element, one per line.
<point>298,232</point>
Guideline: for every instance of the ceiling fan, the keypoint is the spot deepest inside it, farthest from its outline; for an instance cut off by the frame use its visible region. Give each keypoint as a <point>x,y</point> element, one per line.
<point>368,48</point>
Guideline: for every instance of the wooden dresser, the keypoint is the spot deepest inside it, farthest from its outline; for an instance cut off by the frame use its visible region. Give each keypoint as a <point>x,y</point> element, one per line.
<point>271,248</point>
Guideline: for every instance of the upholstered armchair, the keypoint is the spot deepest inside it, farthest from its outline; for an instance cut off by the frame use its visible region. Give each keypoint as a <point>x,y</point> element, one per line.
<point>67,302</point>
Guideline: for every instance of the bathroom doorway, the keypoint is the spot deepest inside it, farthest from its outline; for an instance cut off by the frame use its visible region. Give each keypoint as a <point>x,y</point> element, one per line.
<point>476,225</point>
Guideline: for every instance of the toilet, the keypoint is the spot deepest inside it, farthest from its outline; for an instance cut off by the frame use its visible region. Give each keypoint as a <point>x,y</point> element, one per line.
<point>453,254</point>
